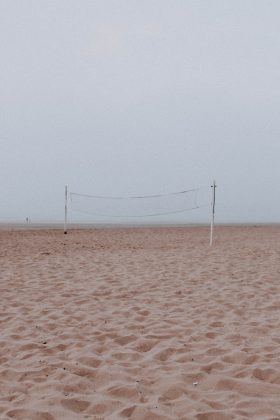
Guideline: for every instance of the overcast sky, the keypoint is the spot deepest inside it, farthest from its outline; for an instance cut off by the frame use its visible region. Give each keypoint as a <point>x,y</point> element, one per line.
<point>130,97</point>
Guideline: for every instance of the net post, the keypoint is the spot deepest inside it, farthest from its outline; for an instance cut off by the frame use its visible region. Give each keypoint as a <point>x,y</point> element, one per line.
<point>214,186</point>
<point>65,210</point>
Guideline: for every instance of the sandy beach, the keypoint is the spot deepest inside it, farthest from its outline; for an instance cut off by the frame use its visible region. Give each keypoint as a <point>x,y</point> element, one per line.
<point>140,323</point>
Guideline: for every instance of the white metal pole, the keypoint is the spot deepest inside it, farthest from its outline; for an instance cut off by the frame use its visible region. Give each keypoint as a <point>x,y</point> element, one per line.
<point>65,210</point>
<point>212,211</point>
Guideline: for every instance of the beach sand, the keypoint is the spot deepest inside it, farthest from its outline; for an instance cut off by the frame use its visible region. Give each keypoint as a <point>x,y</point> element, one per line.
<point>140,323</point>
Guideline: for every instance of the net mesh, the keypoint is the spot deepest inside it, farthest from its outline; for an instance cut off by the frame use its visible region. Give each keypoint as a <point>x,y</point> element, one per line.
<point>136,206</point>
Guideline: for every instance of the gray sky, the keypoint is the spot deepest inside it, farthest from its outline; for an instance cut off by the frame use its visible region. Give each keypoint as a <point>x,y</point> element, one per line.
<point>139,97</point>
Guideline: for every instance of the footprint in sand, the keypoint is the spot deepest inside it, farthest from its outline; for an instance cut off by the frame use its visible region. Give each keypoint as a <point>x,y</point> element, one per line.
<point>75,405</point>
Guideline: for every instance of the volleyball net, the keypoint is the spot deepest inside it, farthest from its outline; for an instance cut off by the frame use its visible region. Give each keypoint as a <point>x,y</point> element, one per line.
<point>134,207</point>
<point>125,208</point>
